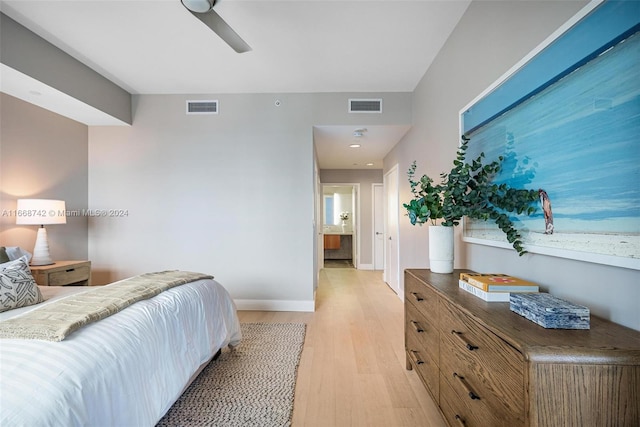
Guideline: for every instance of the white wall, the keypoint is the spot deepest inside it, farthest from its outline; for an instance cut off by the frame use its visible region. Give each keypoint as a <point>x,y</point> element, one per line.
<point>230,195</point>
<point>490,38</point>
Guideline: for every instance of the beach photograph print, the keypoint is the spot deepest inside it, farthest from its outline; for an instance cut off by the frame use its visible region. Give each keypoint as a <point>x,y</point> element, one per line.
<point>577,142</point>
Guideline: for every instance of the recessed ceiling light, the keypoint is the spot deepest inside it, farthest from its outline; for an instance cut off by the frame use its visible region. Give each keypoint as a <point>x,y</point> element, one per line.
<point>369,164</point>
<point>354,146</point>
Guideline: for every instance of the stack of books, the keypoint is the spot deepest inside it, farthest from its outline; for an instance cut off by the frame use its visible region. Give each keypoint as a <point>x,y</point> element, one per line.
<point>494,287</point>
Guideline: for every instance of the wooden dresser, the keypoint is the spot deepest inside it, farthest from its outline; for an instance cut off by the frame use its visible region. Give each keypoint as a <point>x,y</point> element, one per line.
<point>487,366</point>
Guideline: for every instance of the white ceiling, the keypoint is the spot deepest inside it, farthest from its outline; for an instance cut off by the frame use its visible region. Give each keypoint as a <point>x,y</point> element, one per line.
<point>298,46</point>
<point>334,151</point>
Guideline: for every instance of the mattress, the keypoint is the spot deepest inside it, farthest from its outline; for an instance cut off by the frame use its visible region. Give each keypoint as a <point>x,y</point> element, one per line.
<point>125,370</point>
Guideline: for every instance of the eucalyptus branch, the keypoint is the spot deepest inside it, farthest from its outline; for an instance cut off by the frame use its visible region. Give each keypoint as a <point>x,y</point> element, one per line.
<point>468,190</point>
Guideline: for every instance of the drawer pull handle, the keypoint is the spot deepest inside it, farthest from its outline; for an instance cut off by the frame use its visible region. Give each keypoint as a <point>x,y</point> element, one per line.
<point>416,357</point>
<point>70,270</point>
<point>417,326</point>
<point>417,296</point>
<point>470,392</point>
<point>460,420</point>
<point>466,343</point>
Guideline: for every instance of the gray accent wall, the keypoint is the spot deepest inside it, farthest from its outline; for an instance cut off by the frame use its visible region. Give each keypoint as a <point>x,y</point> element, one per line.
<point>42,156</point>
<point>32,55</point>
<point>492,37</point>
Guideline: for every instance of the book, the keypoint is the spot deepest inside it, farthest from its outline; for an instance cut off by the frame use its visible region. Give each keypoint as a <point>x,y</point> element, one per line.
<point>486,296</point>
<point>494,282</point>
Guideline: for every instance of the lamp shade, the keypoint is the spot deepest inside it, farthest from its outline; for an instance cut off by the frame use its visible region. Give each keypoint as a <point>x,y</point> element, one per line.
<point>40,212</point>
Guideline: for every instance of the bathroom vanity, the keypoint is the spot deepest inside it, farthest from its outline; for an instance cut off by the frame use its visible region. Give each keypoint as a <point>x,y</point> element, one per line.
<point>338,245</point>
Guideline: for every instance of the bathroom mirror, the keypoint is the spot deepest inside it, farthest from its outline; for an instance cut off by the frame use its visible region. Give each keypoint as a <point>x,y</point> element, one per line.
<point>336,199</point>
<point>329,216</point>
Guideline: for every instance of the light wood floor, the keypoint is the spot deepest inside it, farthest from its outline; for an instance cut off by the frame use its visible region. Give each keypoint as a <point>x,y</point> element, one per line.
<point>352,370</point>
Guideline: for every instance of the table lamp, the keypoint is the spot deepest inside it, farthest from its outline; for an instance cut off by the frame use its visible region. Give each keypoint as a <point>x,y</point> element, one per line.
<point>40,212</point>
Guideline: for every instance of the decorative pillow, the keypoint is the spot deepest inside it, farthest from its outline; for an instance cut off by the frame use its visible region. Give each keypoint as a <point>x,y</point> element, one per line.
<point>14,262</point>
<point>3,255</point>
<point>15,252</point>
<point>17,286</point>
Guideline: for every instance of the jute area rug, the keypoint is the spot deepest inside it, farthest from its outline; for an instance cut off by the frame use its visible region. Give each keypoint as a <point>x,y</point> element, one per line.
<point>253,385</point>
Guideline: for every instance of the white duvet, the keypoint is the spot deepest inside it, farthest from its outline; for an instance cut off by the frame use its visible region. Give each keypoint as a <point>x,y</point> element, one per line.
<point>125,370</point>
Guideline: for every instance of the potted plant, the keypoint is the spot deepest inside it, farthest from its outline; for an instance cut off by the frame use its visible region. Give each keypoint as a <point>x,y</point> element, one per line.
<point>467,190</point>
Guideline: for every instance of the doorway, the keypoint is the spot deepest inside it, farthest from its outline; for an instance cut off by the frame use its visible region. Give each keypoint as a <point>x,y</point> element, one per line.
<point>341,225</point>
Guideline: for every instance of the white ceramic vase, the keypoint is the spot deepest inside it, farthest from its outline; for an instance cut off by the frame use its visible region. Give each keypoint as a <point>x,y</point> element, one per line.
<point>441,249</point>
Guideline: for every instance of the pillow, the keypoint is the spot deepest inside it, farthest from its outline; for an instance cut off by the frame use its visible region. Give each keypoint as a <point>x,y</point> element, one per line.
<point>17,286</point>
<point>14,262</point>
<point>15,252</point>
<point>3,255</point>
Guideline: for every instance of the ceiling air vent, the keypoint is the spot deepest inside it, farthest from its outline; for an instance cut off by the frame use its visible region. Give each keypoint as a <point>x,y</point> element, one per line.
<point>202,107</point>
<point>365,105</point>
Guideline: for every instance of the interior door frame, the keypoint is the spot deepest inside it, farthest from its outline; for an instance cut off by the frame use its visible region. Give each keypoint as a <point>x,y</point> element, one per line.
<point>318,227</point>
<point>355,186</point>
<point>374,215</point>
<point>387,233</point>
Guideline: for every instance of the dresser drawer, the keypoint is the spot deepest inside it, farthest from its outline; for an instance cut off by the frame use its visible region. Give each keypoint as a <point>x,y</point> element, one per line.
<point>423,298</point>
<point>425,366</point>
<point>421,330</point>
<point>459,410</point>
<point>481,366</point>
<point>69,276</point>
<point>63,273</point>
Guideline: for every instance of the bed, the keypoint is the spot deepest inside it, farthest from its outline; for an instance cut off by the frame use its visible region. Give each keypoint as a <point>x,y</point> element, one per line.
<point>124,370</point>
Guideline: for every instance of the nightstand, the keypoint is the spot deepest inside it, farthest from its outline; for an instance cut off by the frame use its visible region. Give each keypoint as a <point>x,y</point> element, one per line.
<point>77,273</point>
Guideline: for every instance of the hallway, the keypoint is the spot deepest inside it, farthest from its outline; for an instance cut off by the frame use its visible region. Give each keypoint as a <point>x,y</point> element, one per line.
<point>352,371</point>
<point>338,263</point>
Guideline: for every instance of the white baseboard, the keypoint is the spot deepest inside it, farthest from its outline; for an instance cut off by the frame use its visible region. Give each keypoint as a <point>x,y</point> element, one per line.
<point>274,305</point>
<point>365,267</point>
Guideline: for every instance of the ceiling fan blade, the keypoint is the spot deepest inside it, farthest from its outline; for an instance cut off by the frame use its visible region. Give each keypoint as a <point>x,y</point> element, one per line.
<point>214,21</point>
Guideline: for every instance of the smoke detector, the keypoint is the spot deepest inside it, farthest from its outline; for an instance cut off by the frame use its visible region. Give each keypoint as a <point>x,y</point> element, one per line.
<point>359,133</point>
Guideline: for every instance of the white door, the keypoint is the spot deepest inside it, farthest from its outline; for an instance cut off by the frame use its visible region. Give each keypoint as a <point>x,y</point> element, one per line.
<point>391,265</point>
<point>378,226</point>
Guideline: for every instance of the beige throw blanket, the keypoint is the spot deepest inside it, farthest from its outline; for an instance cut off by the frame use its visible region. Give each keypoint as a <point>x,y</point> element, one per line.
<point>53,322</point>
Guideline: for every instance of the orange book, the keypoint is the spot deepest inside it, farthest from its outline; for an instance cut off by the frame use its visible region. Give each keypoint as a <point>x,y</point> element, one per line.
<point>494,282</point>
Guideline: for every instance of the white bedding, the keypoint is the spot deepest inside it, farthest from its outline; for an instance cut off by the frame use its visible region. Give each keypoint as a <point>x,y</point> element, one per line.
<point>125,370</point>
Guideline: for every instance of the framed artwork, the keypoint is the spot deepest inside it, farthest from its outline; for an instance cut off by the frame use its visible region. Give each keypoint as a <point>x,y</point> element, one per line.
<point>567,122</point>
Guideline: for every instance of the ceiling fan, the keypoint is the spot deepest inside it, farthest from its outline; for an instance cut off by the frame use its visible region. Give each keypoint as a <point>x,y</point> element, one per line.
<point>203,10</point>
